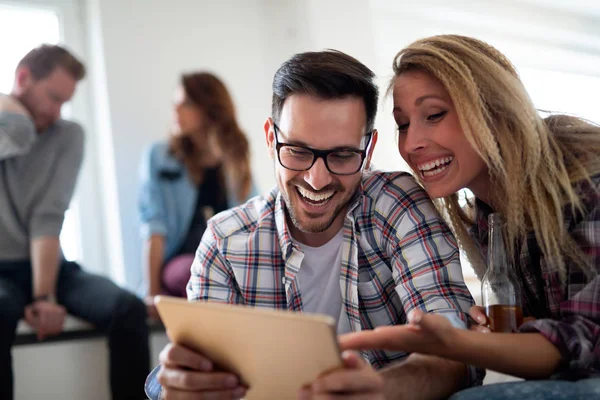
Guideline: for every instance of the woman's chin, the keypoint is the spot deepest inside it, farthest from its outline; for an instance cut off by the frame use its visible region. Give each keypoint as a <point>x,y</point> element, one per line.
<point>438,190</point>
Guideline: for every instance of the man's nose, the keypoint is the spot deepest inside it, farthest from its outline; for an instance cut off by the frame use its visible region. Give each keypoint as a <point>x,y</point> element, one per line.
<point>318,176</point>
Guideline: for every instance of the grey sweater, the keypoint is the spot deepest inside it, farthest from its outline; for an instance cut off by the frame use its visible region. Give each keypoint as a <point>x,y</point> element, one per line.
<point>37,179</point>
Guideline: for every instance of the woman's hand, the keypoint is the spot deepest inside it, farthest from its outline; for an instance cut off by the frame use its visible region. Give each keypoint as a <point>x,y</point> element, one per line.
<point>425,334</point>
<point>477,313</point>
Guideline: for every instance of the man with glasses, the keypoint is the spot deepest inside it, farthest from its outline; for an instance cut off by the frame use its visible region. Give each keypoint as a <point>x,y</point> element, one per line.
<point>332,237</point>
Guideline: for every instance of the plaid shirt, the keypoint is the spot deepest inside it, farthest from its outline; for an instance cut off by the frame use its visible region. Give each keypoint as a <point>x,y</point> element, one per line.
<point>397,255</point>
<point>568,314</point>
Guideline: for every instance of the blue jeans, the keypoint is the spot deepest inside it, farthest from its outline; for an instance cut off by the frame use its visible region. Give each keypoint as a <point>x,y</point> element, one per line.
<point>587,389</point>
<point>92,298</point>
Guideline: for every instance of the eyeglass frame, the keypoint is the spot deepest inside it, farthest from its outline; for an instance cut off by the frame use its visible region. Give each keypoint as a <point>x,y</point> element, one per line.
<point>322,153</point>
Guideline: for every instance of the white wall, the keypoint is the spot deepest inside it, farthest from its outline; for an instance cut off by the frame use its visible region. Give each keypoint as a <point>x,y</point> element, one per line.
<point>138,48</point>
<point>144,46</point>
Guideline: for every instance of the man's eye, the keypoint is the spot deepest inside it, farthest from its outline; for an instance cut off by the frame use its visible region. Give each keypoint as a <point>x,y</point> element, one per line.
<point>298,152</point>
<point>343,155</point>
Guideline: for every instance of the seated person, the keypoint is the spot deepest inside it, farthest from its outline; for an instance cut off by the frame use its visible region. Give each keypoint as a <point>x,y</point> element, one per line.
<point>543,176</point>
<point>40,158</point>
<point>333,237</point>
<point>202,170</point>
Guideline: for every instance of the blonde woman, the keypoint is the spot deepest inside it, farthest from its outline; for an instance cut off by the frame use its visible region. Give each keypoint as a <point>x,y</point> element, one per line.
<point>465,121</point>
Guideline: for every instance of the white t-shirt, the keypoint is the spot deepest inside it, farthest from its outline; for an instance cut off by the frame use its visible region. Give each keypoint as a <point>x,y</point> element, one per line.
<point>319,281</point>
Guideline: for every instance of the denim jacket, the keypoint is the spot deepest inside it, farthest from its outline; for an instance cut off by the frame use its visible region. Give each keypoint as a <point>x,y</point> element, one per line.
<point>167,197</point>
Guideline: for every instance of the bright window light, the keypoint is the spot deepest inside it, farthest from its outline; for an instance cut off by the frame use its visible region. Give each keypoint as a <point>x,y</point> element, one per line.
<point>28,27</point>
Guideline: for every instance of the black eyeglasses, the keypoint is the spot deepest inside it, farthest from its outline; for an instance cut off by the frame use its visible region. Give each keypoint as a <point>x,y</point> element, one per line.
<point>339,161</point>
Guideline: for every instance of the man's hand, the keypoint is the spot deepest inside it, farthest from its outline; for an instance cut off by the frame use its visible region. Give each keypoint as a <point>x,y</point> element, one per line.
<point>46,318</point>
<point>356,381</point>
<point>187,375</point>
<point>10,104</point>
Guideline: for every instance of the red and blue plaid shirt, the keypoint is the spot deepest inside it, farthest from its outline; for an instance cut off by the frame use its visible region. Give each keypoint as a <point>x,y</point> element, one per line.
<point>397,255</point>
<point>567,313</point>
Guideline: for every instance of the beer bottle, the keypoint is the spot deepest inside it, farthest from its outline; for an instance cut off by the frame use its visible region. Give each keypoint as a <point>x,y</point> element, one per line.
<point>499,287</point>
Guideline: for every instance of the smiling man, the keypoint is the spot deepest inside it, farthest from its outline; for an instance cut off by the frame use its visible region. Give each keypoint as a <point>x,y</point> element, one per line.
<point>333,237</point>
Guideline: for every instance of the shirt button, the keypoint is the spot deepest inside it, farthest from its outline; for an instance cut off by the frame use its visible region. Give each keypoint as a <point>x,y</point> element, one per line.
<point>283,280</point>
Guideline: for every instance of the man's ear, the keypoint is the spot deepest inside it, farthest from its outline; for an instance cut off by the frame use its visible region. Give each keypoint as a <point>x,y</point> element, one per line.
<point>23,79</point>
<point>270,136</point>
<point>371,147</point>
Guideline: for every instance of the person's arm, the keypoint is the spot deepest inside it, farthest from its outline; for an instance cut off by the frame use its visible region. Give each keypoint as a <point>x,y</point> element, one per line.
<point>412,378</point>
<point>526,355</point>
<point>154,251</point>
<point>423,251</point>
<point>45,255</point>
<point>17,131</point>
<point>428,277</point>
<point>45,225</point>
<point>153,220</point>
<point>48,213</point>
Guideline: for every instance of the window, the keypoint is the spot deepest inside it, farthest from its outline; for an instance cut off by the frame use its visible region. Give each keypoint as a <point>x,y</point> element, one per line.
<point>29,27</point>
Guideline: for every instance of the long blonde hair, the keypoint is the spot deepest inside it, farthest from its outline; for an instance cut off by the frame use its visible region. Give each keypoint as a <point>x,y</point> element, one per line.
<point>533,162</point>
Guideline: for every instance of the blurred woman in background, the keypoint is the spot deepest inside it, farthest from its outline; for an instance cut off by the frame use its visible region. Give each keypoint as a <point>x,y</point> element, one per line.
<point>203,169</point>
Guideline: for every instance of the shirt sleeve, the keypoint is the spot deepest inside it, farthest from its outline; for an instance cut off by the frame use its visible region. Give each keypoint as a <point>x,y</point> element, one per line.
<point>426,268</point>
<point>212,278</point>
<point>48,214</point>
<point>577,333</point>
<point>426,262</point>
<point>17,134</point>
<point>151,207</point>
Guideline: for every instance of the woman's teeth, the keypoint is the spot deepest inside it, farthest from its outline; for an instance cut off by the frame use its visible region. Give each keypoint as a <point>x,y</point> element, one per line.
<point>435,167</point>
<point>315,197</point>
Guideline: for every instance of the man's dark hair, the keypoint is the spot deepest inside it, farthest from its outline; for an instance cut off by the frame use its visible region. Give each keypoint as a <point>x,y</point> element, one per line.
<point>328,74</point>
<point>42,61</point>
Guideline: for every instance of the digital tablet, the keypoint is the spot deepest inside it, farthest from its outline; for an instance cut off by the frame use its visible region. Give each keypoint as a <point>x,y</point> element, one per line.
<point>274,353</point>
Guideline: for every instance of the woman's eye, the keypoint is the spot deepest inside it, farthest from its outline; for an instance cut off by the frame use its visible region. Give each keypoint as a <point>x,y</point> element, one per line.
<point>436,117</point>
<point>403,127</point>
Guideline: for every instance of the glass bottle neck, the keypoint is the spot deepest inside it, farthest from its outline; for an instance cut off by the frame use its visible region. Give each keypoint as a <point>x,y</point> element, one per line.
<point>497,257</point>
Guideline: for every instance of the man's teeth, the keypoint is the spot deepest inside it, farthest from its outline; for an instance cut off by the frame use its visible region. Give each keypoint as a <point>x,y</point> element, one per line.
<point>433,164</point>
<point>315,196</point>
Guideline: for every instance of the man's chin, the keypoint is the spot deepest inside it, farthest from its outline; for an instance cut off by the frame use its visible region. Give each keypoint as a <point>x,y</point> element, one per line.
<point>314,225</point>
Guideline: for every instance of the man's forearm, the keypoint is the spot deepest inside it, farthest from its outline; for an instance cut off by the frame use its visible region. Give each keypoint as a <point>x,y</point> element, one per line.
<point>424,377</point>
<point>45,253</point>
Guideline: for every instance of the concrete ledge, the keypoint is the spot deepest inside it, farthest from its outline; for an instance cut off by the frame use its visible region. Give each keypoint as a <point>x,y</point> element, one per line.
<point>74,329</point>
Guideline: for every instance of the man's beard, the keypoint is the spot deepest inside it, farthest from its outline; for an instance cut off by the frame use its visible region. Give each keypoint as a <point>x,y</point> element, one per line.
<point>315,227</point>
